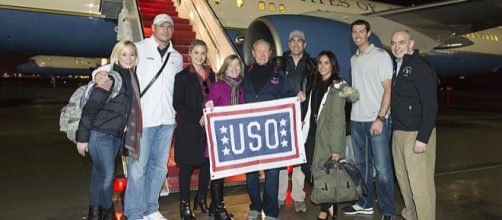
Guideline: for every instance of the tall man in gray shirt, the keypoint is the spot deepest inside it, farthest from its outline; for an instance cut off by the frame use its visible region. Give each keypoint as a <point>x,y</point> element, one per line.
<point>370,126</point>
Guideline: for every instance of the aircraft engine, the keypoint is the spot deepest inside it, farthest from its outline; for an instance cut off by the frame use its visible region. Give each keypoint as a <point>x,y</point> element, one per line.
<point>320,33</point>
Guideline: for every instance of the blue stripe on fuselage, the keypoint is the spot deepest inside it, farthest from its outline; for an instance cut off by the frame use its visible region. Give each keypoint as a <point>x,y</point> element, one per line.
<point>29,32</point>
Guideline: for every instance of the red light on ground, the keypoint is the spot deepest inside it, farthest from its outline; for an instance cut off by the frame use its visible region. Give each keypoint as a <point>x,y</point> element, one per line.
<point>119,214</point>
<point>449,88</point>
<point>119,183</point>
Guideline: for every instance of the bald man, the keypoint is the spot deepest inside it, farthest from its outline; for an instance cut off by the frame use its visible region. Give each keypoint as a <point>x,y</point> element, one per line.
<point>414,110</point>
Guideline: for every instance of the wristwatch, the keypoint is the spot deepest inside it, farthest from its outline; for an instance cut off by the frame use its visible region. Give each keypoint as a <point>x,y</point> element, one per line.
<point>380,118</point>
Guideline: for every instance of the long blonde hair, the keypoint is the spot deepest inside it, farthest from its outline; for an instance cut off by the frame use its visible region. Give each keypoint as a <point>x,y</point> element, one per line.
<point>121,45</point>
<point>226,63</point>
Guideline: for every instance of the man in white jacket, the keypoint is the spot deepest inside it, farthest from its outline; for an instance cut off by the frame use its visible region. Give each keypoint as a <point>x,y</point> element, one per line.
<point>146,175</point>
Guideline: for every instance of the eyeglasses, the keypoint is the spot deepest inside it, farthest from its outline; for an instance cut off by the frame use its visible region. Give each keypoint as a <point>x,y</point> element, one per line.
<point>206,88</point>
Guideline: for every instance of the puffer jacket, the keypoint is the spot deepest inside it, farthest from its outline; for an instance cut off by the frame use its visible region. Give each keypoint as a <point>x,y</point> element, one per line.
<point>103,115</point>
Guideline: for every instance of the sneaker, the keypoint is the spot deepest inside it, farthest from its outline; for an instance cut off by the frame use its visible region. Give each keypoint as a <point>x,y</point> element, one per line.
<point>155,216</point>
<point>387,217</point>
<point>356,209</point>
<point>282,203</point>
<point>271,218</point>
<point>254,215</point>
<point>300,207</point>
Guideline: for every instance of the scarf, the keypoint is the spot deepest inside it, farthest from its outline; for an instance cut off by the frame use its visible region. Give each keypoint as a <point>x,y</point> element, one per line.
<point>234,84</point>
<point>135,123</point>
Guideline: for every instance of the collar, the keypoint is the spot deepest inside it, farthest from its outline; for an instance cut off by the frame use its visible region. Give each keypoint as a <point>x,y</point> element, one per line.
<point>207,70</point>
<point>370,48</point>
<point>154,43</point>
<point>304,56</point>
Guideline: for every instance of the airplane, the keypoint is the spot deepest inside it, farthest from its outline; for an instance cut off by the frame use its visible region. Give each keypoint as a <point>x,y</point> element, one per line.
<point>458,37</point>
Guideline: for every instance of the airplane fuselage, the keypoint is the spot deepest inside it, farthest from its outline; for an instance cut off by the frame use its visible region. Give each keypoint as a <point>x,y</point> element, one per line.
<point>486,47</point>
<point>61,28</point>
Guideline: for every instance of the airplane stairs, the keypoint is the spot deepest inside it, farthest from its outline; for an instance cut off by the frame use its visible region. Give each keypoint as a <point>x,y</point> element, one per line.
<point>183,34</point>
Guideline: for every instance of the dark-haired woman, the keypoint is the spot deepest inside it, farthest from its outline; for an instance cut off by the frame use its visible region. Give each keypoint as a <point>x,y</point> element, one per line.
<point>324,123</point>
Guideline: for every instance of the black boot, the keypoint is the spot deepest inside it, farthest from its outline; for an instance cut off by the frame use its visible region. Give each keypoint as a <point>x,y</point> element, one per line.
<point>109,214</point>
<point>217,206</point>
<point>94,213</point>
<point>199,201</point>
<point>185,212</point>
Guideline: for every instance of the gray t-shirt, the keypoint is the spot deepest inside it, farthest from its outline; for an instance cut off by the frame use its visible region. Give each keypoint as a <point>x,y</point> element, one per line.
<point>368,72</point>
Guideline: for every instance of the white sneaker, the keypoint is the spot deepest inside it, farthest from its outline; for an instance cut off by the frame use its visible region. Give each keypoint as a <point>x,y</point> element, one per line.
<point>155,216</point>
<point>254,215</point>
<point>356,209</point>
<point>300,207</point>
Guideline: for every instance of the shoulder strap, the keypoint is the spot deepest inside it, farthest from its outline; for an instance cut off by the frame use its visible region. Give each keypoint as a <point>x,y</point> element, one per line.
<point>156,76</point>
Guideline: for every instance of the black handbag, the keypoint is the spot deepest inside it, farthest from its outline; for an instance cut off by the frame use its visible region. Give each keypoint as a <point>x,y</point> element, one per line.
<point>332,184</point>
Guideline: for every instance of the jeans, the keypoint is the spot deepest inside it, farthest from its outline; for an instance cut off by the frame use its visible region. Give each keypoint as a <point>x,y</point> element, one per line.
<point>103,149</point>
<point>373,152</point>
<point>147,174</point>
<point>269,204</point>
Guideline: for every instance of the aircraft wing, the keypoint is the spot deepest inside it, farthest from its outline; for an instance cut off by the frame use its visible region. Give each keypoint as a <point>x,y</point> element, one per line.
<point>445,19</point>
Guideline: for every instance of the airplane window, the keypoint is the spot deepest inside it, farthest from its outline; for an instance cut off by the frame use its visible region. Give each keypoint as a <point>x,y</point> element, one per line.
<point>261,5</point>
<point>496,38</point>
<point>282,8</point>
<point>271,7</point>
<point>217,2</point>
<point>240,3</point>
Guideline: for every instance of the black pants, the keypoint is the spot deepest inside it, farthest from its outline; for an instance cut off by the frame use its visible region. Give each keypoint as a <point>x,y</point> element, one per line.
<point>184,180</point>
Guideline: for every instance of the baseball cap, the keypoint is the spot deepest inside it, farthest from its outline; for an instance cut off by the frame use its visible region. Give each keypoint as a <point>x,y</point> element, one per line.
<point>162,18</point>
<point>297,33</point>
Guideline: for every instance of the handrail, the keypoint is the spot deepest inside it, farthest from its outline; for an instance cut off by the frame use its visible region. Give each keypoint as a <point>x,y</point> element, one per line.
<point>140,18</point>
<point>222,28</point>
<point>205,25</point>
<point>208,28</point>
<point>130,25</point>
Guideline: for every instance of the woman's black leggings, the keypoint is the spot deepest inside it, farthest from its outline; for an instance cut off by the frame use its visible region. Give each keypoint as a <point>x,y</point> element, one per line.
<point>184,180</point>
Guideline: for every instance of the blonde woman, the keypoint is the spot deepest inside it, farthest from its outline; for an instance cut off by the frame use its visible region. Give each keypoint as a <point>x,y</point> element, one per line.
<point>191,88</point>
<point>102,125</point>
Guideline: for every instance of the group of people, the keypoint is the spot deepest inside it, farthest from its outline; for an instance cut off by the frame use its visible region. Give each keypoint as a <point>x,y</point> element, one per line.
<point>157,93</point>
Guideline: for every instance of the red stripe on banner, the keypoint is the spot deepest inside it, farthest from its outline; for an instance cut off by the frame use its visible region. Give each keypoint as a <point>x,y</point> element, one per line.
<point>262,109</point>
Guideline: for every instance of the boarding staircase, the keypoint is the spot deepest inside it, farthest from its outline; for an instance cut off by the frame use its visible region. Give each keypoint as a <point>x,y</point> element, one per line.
<point>183,34</point>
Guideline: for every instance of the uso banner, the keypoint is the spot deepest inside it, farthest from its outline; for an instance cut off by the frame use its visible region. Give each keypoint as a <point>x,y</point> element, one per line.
<point>256,136</point>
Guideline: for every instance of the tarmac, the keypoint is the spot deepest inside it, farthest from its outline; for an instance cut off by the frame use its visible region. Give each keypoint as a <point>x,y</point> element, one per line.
<point>43,177</point>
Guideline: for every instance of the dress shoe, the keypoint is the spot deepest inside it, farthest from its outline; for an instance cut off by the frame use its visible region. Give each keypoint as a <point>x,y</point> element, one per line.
<point>185,212</point>
<point>200,202</point>
<point>109,214</point>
